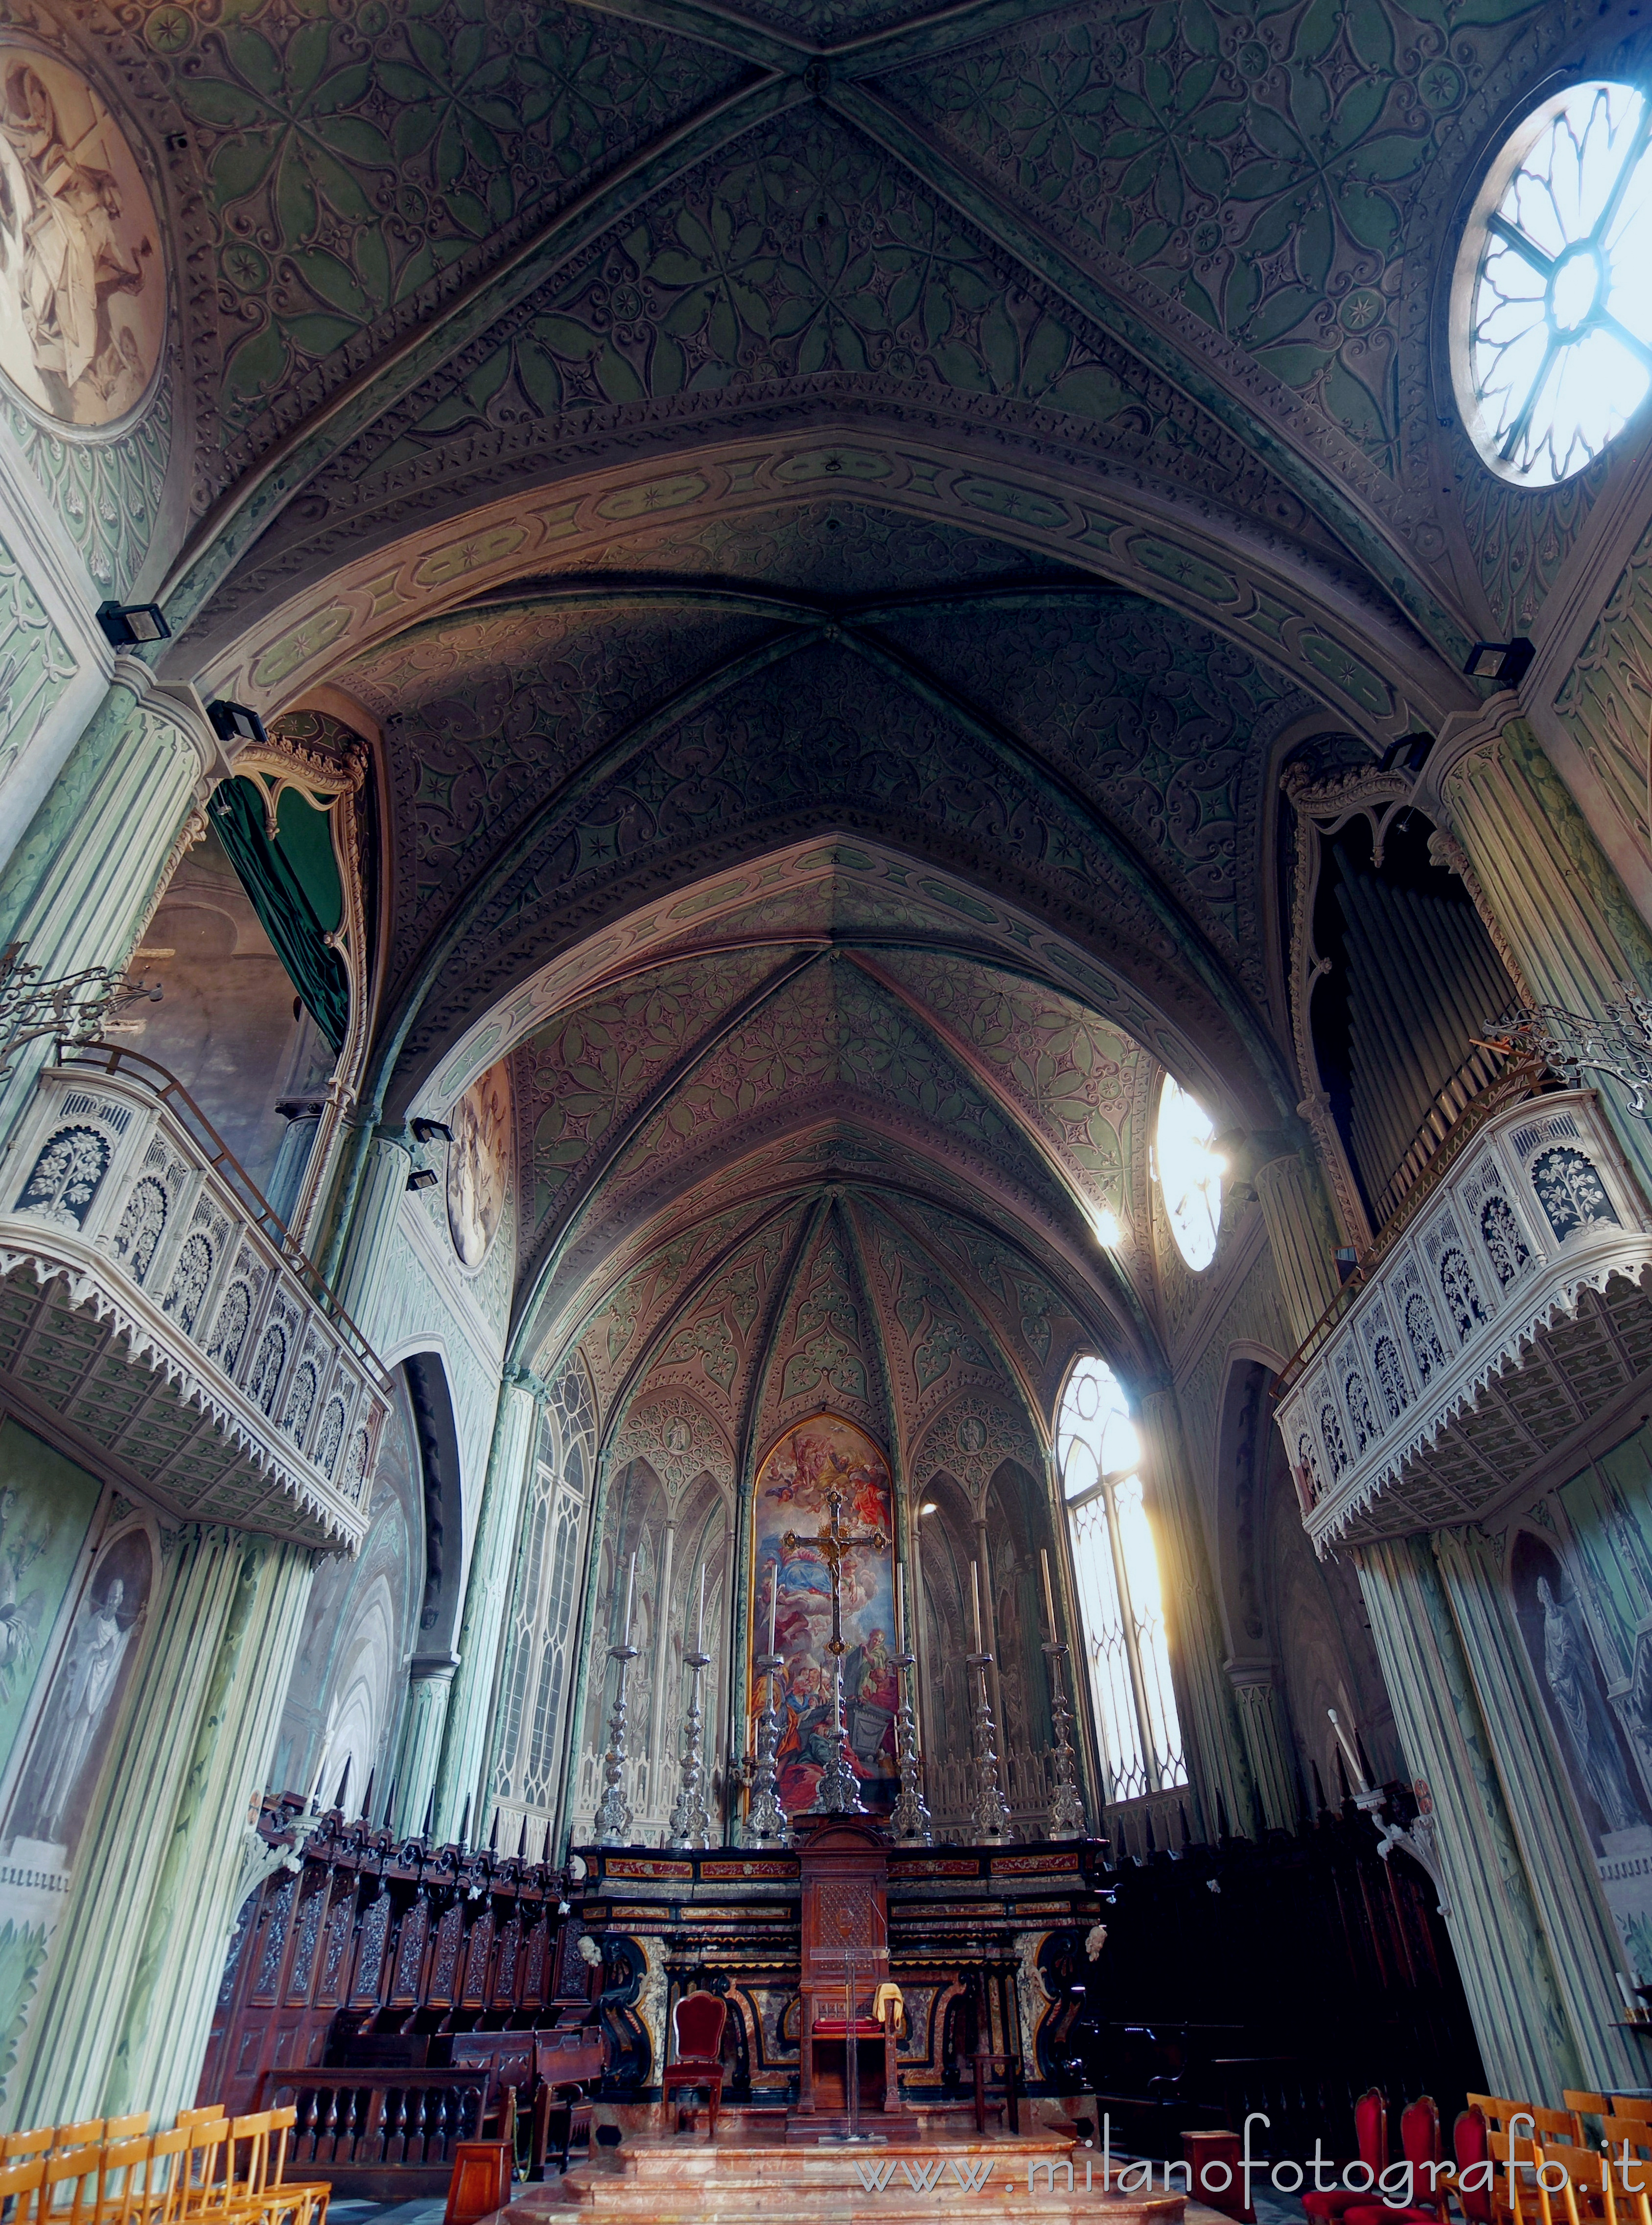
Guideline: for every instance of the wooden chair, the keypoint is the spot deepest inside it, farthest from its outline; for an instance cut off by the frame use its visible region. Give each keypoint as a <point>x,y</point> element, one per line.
<point>166,2180</point>
<point>88,2134</point>
<point>305,2201</point>
<point>126,2128</point>
<point>122,2178</point>
<point>17,2147</point>
<point>697,2022</point>
<point>69,2187</point>
<point>20,2188</point>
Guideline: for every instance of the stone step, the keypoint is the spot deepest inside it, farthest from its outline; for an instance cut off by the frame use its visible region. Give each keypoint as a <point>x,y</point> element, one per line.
<point>683,2181</point>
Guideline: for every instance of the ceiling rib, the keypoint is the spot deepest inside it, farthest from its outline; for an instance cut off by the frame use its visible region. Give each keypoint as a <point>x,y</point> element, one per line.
<point>1443,628</point>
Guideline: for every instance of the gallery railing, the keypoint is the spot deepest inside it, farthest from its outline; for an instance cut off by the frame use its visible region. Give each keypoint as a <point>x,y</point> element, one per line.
<point>256,1400</point>
<point>1394,1416</point>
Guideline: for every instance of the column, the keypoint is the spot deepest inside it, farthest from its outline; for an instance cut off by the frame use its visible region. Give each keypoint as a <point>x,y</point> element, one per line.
<point>464,1770</point>
<point>1216,1761</point>
<point>430,1688</point>
<point>1550,896</point>
<point>1301,1236</point>
<point>1255,1693</point>
<point>81,882</point>
<point>121,2015</point>
<point>1502,1950</point>
<point>1559,1862</point>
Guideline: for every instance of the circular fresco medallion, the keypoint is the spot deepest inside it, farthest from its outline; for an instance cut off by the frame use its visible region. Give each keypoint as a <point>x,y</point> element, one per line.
<point>82,290</point>
<point>479,1162</point>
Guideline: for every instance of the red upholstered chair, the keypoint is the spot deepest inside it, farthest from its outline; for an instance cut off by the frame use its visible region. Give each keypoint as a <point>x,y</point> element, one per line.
<point>1420,2145</point>
<point>697,2023</point>
<point>1370,2131</point>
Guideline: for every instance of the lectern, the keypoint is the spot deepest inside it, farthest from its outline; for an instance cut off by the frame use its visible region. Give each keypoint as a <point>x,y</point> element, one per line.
<point>845,1957</point>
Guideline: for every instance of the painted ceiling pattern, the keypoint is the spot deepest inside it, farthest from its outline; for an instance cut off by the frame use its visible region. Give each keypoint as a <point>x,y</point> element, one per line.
<point>800,251</point>
<point>354,169</point>
<point>486,714</point>
<point>822,735</point>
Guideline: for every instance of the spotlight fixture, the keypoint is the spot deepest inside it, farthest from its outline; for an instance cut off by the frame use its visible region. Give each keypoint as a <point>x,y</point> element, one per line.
<point>928,1507</point>
<point>1409,754</point>
<point>427,1131</point>
<point>130,626</point>
<point>1505,661</point>
<point>423,1178</point>
<point>233,722</point>
<point>1110,1230</point>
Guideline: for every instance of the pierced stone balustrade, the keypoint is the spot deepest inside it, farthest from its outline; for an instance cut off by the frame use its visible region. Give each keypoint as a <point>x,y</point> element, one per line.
<point>152,1304</point>
<point>1509,1317</point>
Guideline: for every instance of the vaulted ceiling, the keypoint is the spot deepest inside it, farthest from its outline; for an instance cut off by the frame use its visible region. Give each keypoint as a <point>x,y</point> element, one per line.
<point>836,510</point>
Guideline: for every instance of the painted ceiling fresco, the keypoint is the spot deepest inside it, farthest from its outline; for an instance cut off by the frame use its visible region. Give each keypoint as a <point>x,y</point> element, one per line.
<point>833,511</point>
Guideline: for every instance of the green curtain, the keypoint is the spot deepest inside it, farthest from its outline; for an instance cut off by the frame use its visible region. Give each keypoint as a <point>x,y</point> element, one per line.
<point>276,884</point>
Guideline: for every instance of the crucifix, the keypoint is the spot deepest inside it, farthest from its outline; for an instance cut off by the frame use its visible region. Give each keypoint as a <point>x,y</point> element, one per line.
<point>839,1791</point>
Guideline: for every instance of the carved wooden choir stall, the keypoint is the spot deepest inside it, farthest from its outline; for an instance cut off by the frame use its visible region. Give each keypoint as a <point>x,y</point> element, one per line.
<point>405,1997</point>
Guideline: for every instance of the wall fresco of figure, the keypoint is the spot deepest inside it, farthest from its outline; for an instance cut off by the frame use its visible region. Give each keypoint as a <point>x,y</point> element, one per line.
<point>795,1484</point>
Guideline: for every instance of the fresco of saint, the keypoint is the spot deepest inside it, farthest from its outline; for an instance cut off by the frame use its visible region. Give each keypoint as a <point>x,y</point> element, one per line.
<point>795,1484</point>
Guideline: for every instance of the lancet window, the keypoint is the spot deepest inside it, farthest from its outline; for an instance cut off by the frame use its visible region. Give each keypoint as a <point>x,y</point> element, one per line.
<point>1120,1595</point>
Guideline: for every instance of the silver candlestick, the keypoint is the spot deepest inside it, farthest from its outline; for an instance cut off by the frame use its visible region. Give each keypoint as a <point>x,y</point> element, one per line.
<point>767,1823</point>
<point>909,1817</point>
<point>612,1824</point>
<point>1066,1817</point>
<point>990,1817</point>
<point>839,1792</point>
<point>691,1820</point>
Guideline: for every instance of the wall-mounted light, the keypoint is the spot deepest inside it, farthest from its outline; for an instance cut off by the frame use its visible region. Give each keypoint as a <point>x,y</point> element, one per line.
<point>129,625</point>
<point>423,1178</point>
<point>928,1507</point>
<point>1505,661</point>
<point>1409,755</point>
<point>427,1131</point>
<point>233,722</point>
<point>1110,1229</point>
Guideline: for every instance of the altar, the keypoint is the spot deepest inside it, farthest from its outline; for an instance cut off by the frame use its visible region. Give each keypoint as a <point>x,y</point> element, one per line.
<point>966,1933</point>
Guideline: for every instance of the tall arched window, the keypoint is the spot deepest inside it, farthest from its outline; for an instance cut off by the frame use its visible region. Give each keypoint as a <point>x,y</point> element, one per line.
<point>1119,1593</point>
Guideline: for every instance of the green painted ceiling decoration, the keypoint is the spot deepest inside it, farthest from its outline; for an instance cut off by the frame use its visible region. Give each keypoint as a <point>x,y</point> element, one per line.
<point>487,713</point>
<point>1259,168</point>
<point>356,166</point>
<point>835,510</point>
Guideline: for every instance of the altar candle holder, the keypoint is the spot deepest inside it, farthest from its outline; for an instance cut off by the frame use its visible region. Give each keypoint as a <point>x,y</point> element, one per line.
<point>612,1825</point>
<point>1065,1818</point>
<point>909,1821</point>
<point>990,1817</point>
<point>690,1825</point>
<point>839,1791</point>
<point>766,1822</point>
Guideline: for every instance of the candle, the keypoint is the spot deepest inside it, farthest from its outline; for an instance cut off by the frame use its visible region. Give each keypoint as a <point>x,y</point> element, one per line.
<point>1352,1757</point>
<point>700,1626</point>
<point>900,1608</point>
<point>1049,1599</point>
<point>774,1595</point>
<point>631,1592</point>
<point>975,1602</point>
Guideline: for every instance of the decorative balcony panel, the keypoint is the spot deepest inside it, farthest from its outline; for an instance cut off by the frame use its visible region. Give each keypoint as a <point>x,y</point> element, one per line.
<point>1510,1314</point>
<point>147,1301</point>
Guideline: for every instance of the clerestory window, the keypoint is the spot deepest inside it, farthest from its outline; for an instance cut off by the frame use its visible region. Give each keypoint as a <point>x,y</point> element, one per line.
<point>1120,1595</point>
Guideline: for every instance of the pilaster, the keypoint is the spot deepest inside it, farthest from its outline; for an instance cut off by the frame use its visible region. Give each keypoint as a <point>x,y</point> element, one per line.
<point>1255,1693</point>
<point>487,1596</point>
<point>430,1690</point>
<point>1583,1943</point>
<point>121,2015</point>
<point>1301,1237</point>
<point>1569,925</point>
<point>1503,1949</point>
<point>1216,1760</point>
